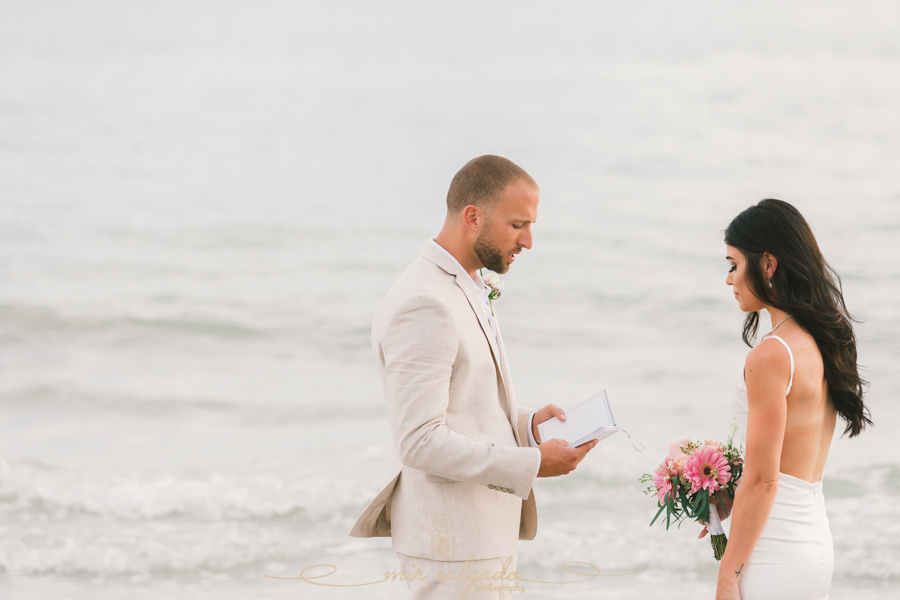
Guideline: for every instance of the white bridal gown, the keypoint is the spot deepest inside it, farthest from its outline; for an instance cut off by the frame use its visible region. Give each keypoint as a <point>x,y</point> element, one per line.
<point>794,557</point>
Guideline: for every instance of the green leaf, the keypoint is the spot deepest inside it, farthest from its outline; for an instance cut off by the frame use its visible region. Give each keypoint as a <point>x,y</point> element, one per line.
<point>730,497</point>
<point>696,503</point>
<point>670,505</point>
<point>685,501</point>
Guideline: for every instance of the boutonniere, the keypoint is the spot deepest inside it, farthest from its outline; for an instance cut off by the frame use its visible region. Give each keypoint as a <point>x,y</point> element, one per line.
<point>493,281</point>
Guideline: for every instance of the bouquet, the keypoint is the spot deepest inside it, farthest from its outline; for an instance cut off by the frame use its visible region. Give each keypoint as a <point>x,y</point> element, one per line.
<point>685,480</point>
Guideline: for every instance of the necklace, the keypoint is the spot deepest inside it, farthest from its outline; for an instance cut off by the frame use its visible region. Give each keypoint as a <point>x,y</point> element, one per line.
<point>779,324</point>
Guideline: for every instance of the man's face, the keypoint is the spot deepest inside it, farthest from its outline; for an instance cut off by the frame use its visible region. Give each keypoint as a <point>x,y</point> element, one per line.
<point>507,227</point>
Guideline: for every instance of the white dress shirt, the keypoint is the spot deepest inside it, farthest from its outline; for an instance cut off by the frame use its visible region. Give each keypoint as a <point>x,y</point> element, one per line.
<point>484,293</point>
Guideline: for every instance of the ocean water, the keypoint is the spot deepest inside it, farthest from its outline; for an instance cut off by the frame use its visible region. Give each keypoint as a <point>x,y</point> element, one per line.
<point>202,204</point>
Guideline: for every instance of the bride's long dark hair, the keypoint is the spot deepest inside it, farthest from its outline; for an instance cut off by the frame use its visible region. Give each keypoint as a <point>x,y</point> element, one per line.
<point>806,286</point>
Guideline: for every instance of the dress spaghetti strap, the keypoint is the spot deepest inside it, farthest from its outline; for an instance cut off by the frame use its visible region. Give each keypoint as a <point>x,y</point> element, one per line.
<point>791,354</point>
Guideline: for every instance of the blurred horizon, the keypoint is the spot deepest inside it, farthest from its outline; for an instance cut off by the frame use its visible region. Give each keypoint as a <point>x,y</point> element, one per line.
<point>204,203</point>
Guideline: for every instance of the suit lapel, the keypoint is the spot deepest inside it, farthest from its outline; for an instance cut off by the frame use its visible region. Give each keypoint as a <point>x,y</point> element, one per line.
<point>507,385</point>
<point>434,255</point>
<point>475,303</point>
<point>496,350</point>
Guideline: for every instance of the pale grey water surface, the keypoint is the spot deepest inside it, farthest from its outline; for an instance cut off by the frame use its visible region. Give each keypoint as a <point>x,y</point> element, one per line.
<point>202,203</point>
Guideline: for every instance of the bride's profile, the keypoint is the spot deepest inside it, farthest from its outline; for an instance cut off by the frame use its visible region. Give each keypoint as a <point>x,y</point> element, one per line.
<point>795,382</point>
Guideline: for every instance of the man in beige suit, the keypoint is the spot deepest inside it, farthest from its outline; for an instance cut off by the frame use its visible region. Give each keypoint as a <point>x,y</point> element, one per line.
<point>466,456</point>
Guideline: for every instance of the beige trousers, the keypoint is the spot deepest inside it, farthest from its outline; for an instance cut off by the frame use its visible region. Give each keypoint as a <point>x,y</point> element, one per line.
<point>487,579</point>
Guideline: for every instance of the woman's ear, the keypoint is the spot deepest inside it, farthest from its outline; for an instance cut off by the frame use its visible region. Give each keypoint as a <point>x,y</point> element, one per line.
<point>770,264</point>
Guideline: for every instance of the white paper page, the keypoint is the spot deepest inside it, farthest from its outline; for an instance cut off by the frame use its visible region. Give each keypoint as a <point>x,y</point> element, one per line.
<point>600,435</point>
<point>582,421</point>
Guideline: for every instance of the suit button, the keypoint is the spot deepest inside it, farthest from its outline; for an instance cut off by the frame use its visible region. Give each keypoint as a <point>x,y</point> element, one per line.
<point>490,485</point>
<point>511,491</point>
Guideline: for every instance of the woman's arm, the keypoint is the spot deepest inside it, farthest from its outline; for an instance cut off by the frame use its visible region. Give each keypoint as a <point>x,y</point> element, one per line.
<point>767,373</point>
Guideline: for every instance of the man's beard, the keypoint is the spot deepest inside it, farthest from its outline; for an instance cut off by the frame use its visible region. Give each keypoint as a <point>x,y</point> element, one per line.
<point>490,256</point>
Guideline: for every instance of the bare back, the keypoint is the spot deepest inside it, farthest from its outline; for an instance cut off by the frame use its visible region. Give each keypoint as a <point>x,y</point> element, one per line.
<point>811,416</point>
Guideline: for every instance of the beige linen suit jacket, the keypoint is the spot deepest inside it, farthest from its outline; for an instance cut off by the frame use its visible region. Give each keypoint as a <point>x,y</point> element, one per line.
<point>460,440</point>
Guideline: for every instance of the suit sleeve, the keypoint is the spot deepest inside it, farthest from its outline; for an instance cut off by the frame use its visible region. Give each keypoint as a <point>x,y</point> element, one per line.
<point>526,417</point>
<point>418,348</point>
<point>523,424</point>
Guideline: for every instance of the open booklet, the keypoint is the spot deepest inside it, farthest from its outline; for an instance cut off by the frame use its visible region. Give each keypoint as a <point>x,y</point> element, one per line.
<point>590,420</point>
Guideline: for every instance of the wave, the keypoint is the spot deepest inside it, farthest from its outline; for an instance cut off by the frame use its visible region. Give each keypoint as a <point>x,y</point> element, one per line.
<point>34,319</point>
<point>28,487</point>
<point>76,522</point>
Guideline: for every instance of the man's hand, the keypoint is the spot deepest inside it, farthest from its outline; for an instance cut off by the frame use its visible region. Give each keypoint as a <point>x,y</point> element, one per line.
<point>548,412</point>
<point>556,459</point>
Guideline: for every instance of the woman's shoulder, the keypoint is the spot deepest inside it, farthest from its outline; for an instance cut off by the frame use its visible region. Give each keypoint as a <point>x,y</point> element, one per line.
<point>768,361</point>
<point>801,344</point>
<point>768,353</point>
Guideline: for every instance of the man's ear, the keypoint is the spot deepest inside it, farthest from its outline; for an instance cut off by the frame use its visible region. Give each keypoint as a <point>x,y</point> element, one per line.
<point>472,217</point>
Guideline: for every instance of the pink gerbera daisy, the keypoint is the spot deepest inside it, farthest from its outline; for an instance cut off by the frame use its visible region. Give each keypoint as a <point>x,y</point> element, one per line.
<point>707,469</point>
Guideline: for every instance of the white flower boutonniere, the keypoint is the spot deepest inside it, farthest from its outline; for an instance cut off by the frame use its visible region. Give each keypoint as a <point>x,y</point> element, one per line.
<point>493,281</point>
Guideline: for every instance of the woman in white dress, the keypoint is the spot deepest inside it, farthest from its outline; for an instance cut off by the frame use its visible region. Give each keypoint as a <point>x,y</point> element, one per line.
<point>793,386</point>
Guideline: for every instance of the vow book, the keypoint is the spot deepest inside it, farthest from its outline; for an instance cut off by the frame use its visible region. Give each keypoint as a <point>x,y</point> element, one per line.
<point>590,420</point>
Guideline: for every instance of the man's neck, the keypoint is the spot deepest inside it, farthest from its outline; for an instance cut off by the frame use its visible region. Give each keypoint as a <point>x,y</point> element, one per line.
<point>458,251</point>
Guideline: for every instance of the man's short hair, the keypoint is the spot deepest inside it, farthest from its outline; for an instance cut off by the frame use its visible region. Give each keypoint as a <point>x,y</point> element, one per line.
<point>482,181</point>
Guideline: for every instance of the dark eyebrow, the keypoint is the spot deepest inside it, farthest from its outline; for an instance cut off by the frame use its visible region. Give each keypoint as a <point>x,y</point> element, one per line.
<point>728,258</point>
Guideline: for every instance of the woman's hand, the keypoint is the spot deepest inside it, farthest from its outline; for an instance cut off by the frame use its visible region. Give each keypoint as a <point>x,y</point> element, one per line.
<point>723,501</point>
<point>718,501</point>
